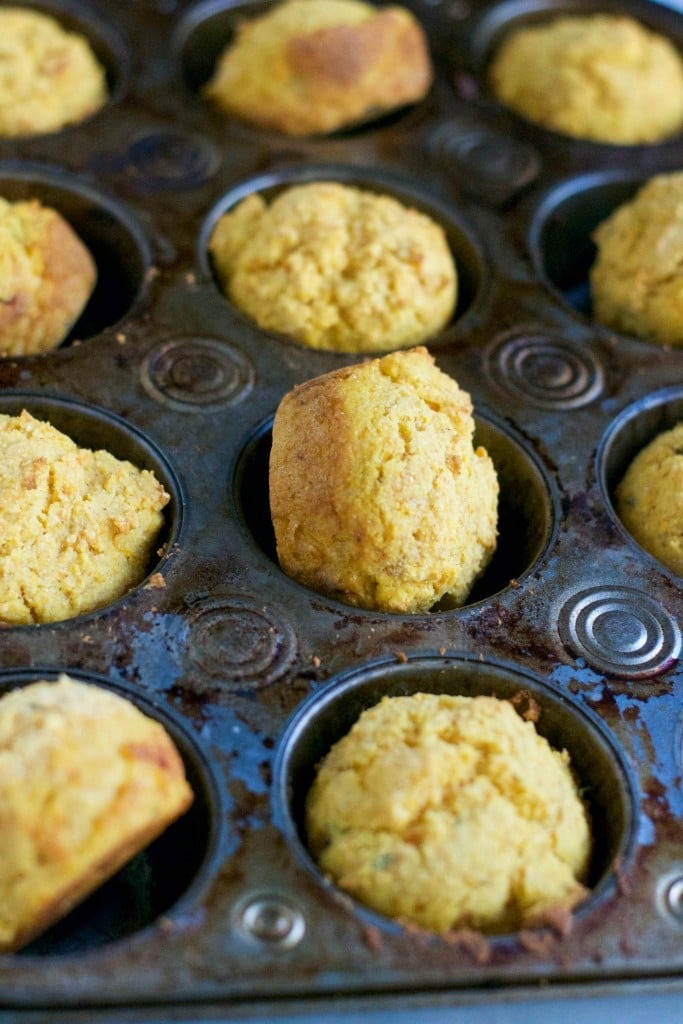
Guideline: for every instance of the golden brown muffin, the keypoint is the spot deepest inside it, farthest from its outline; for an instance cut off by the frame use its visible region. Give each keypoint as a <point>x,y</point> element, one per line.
<point>603,77</point>
<point>314,66</point>
<point>47,276</point>
<point>649,498</point>
<point>86,782</point>
<point>450,812</point>
<point>337,267</point>
<point>377,495</point>
<point>77,527</point>
<point>49,77</point>
<point>636,280</point>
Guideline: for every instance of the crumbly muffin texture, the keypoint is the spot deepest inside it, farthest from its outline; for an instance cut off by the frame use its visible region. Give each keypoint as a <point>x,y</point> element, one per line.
<point>649,498</point>
<point>636,282</point>
<point>450,812</point>
<point>604,77</point>
<point>337,267</point>
<point>77,527</point>
<point>309,67</point>
<point>49,77</point>
<point>378,496</point>
<point>47,276</point>
<point>86,782</point>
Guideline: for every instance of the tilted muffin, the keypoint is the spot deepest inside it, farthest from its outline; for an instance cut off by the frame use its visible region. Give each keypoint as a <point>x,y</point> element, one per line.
<point>377,495</point>
<point>636,279</point>
<point>450,812</point>
<point>86,782</point>
<point>77,527</point>
<point>649,498</point>
<point>49,77</point>
<point>314,66</point>
<point>604,77</point>
<point>337,267</point>
<point>47,276</point>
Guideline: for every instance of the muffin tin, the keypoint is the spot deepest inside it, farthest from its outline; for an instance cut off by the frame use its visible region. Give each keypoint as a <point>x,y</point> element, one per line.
<point>255,676</point>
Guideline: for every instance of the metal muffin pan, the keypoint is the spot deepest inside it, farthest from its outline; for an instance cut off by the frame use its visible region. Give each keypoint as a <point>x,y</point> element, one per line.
<point>226,916</point>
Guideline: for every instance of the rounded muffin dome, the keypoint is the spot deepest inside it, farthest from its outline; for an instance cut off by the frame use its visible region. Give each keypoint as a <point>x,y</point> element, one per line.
<point>604,77</point>
<point>649,498</point>
<point>88,780</point>
<point>77,527</point>
<point>51,77</point>
<point>450,811</point>
<point>635,279</point>
<point>378,496</point>
<point>47,276</point>
<point>308,67</point>
<point>337,267</point>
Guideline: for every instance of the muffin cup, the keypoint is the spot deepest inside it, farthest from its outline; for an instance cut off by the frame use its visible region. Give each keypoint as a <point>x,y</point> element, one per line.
<point>94,428</point>
<point>109,231</point>
<point>500,19</point>
<point>527,508</point>
<point>631,431</point>
<point>162,880</point>
<point>604,778</point>
<point>462,241</point>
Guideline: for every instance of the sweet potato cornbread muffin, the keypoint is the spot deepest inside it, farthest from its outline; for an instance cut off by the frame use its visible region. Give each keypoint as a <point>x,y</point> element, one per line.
<point>309,67</point>
<point>77,527</point>
<point>636,279</point>
<point>336,267</point>
<point>450,812</point>
<point>86,782</point>
<point>649,498</point>
<point>47,276</point>
<point>49,77</point>
<point>604,77</point>
<point>377,495</point>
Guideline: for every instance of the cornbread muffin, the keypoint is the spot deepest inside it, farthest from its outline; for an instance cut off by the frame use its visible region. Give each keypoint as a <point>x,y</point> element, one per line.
<point>336,267</point>
<point>49,77</point>
<point>313,66</point>
<point>77,527</point>
<point>86,782</point>
<point>636,279</point>
<point>450,812</point>
<point>603,77</point>
<point>649,498</point>
<point>378,497</point>
<point>47,276</point>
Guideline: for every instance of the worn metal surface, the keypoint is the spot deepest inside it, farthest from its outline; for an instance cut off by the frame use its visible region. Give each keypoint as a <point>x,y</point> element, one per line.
<point>252,672</point>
